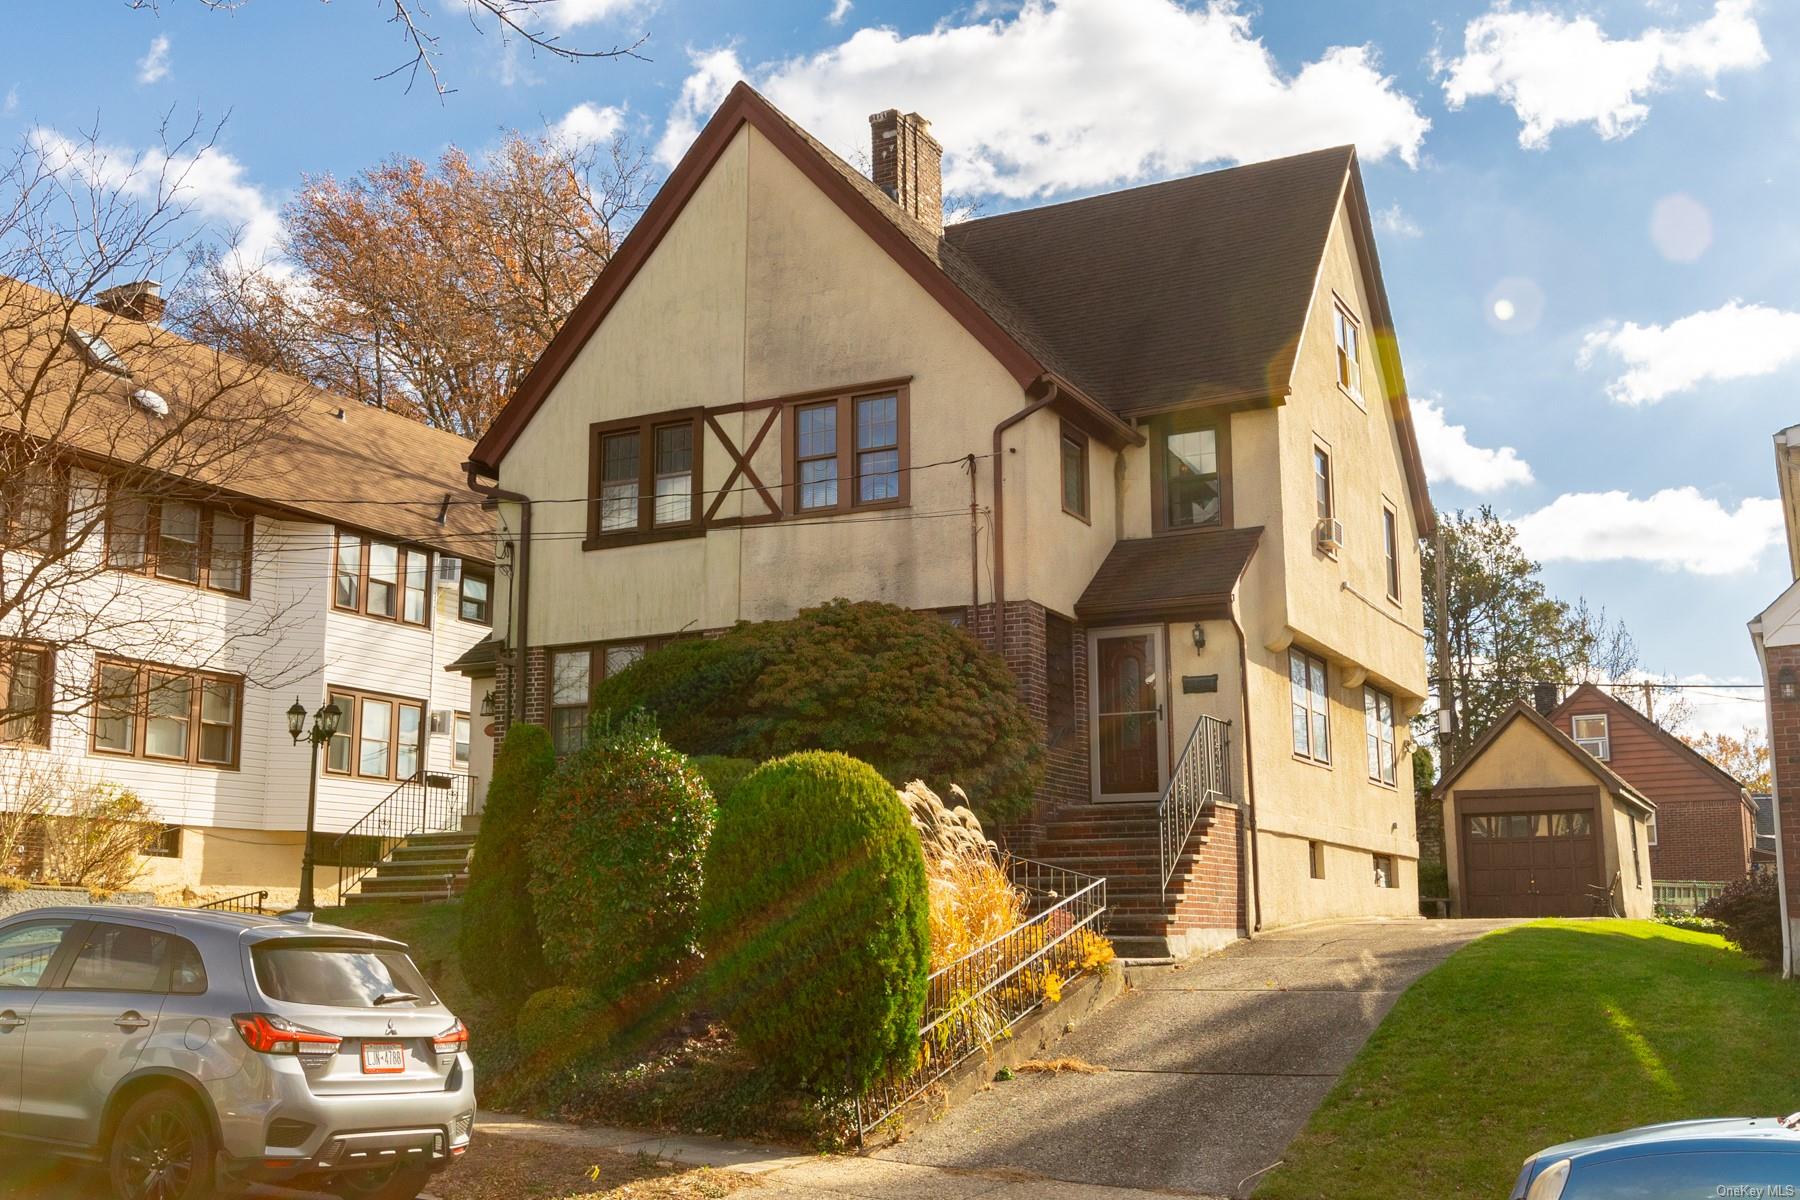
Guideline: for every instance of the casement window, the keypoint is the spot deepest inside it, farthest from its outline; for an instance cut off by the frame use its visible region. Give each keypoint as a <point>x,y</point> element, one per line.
<point>1378,719</point>
<point>1384,871</point>
<point>1323,499</point>
<point>645,478</point>
<point>460,728</point>
<point>166,714</point>
<point>1059,677</point>
<point>34,503</point>
<point>1592,735</point>
<point>475,597</point>
<point>574,671</point>
<point>25,689</point>
<point>1311,714</point>
<point>378,737</point>
<point>1349,337</point>
<point>1074,454</point>
<point>847,451</point>
<point>182,541</point>
<point>380,579</point>
<point>1390,549</point>
<point>1190,473</point>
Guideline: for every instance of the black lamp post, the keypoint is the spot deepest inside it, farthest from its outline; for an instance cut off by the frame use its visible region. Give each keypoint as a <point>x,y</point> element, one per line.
<point>324,725</point>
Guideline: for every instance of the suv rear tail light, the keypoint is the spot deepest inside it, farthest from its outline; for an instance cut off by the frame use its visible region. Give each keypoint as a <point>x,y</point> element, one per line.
<point>266,1033</point>
<point>451,1041</point>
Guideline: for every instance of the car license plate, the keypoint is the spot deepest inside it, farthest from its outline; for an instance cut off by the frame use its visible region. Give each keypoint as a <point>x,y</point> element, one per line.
<point>383,1058</point>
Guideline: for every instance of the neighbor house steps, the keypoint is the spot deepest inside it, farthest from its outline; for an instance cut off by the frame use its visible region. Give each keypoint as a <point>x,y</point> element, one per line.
<point>424,867</point>
<point>1121,841</point>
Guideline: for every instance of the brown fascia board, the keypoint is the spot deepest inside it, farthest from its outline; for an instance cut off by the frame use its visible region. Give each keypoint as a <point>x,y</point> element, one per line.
<point>742,106</point>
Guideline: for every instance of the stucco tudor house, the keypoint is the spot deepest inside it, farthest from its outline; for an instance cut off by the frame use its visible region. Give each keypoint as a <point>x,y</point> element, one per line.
<point>1153,446</point>
<point>1537,824</point>
<point>345,558</point>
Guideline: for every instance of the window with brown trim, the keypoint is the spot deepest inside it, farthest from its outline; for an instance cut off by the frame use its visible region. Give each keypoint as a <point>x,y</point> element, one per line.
<point>378,736</point>
<point>34,506</point>
<point>1073,452</point>
<point>574,670</point>
<point>167,714</point>
<point>1390,548</point>
<point>475,597</point>
<point>645,478</point>
<point>1190,472</point>
<point>847,451</point>
<point>1310,705</point>
<point>380,579</point>
<point>181,541</point>
<point>1378,730</point>
<point>26,672</point>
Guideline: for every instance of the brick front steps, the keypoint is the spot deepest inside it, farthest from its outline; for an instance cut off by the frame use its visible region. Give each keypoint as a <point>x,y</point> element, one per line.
<point>426,866</point>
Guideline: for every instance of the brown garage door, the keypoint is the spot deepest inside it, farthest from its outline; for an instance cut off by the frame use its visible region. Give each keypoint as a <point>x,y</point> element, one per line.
<point>1530,864</point>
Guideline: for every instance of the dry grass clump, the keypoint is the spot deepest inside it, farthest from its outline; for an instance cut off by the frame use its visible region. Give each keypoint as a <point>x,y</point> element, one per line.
<point>1056,1066</point>
<point>972,903</point>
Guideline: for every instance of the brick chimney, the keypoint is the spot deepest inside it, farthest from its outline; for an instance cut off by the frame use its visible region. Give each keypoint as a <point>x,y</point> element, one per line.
<point>140,300</point>
<point>1543,698</point>
<point>908,165</point>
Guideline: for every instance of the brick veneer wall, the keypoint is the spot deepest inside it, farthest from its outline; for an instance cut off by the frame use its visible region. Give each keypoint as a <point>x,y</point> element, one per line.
<point>537,693</point>
<point>1702,839</point>
<point>1212,898</point>
<point>1784,752</point>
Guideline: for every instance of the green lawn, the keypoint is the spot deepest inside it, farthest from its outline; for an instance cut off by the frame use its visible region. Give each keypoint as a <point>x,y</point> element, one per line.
<point>1542,1033</point>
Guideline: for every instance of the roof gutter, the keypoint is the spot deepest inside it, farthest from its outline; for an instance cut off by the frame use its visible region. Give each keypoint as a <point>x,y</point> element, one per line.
<point>515,701</point>
<point>1005,424</point>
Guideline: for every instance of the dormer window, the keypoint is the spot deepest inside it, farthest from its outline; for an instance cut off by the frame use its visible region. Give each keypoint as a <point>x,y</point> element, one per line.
<point>98,351</point>
<point>1592,735</point>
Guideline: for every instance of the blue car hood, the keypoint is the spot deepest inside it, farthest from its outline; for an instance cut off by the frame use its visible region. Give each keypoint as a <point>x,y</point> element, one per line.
<point>1715,1129</point>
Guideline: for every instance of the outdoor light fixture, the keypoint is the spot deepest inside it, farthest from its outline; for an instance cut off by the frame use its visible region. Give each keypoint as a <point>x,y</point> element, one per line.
<point>1785,681</point>
<point>1199,636</point>
<point>488,708</point>
<point>324,726</point>
<point>1446,721</point>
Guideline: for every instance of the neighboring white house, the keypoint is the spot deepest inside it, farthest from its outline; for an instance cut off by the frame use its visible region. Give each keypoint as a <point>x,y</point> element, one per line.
<point>347,561</point>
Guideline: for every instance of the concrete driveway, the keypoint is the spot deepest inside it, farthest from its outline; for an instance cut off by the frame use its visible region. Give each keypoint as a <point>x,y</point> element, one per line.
<point>1212,1066</point>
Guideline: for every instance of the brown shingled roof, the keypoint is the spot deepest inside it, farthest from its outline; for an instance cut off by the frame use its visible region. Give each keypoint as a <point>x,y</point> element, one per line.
<point>1173,577</point>
<point>370,469</point>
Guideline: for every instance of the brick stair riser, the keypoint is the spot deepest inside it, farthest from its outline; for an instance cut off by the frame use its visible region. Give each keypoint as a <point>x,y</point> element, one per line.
<point>414,885</point>
<point>437,866</point>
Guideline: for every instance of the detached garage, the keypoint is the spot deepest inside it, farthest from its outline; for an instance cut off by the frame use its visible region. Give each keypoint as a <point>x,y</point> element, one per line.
<point>1532,823</point>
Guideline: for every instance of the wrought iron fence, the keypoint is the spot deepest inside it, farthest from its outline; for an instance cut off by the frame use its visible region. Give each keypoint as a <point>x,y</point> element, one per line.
<point>1202,775</point>
<point>245,902</point>
<point>1685,894</point>
<point>429,802</point>
<point>973,1002</point>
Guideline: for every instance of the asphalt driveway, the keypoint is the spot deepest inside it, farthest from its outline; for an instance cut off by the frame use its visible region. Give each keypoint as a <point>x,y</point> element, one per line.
<point>1212,1066</point>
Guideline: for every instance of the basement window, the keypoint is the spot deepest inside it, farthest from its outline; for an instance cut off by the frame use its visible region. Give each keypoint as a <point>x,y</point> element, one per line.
<point>1315,857</point>
<point>1384,871</point>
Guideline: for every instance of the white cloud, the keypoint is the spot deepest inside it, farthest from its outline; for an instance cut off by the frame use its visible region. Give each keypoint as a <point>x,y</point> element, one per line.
<point>154,66</point>
<point>588,124</point>
<point>1021,111</point>
<point>211,183</point>
<point>1555,70</point>
<point>1677,529</point>
<point>1451,458</point>
<point>10,105</point>
<point>1733,341</point>
<point>839,10</point>
<point>567,14</point>
<point>1395,222</point>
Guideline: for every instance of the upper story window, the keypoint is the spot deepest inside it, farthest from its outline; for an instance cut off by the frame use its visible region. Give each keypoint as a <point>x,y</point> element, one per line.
<point>381,579</point>
<point>1074,454</point>
<point>182,541</point>
<point>25,678</point>
<point>1349,338</point>
<point>646,477</point>
<point>1390,549</point>
<point>33,508</point>
<point>1593,735</point>
<point>1311,711</point>
<point>847,451</point>
<point>1323,498</point>
<point>378,737</point>
<point>1378,720</point>
<point>475,597</point>
<point>1190,473</point>
<point>165,714</point>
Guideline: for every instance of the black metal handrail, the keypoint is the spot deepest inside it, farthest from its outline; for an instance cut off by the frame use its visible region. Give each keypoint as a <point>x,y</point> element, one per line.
<point>244,902</point>
<point>1201,776</point>
<point>429,802</point>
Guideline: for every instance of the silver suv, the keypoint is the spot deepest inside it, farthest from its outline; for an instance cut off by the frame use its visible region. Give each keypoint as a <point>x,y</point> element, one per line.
<point>192,1052</point>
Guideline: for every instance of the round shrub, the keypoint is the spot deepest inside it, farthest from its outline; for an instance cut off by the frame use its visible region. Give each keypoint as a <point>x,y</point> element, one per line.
<point>564,1019</point>
<point>615,861</point>
<point>723,773</point>
<point>905,691</point>
<point>815,920</point>
<point>498,943</point>
<point>1750,911</point>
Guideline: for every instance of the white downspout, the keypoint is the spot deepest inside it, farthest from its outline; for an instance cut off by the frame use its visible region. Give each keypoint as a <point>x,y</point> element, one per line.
<point>1781,885</point>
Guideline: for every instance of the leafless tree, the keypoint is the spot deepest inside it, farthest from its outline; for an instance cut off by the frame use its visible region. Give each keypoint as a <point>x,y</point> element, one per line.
<point>110,422</point>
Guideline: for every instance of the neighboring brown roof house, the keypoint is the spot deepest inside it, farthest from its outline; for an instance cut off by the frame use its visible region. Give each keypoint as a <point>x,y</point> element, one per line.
<point>331,459</point>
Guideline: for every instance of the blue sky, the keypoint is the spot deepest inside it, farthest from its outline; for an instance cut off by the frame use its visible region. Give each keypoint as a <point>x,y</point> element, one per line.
<point>1585,209</point>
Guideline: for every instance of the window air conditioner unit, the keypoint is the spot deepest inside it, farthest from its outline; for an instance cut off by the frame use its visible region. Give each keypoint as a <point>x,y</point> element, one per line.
<point>449,569</point>
<point>440,720</point>
<point>1330,535</point>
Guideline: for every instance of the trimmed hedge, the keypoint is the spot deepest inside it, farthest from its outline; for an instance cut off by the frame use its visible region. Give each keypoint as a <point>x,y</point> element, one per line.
<point>1750,911</point>
<point>564,1021</point>
<point>816,921</point>
<point>615,861</point>
<point>723,774</point>
<point>906,692</point>
<point>498,943</point>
